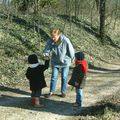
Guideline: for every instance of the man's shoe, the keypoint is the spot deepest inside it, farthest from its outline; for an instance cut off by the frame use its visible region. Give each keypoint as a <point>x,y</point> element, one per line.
<point>49,95</point>
<point>63,95</point>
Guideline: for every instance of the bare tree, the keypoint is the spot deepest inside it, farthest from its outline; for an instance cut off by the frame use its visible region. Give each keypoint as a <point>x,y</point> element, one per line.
<point>102,19</point>
<point>116,13</point>
<point>77,7</point>
<point>97,4</point>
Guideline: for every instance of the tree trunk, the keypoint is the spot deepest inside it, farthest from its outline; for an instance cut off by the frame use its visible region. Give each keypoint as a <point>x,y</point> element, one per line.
<point>102,19</point>
<point>76,9</point>
<point>97,4</point>
<point>116,14</point>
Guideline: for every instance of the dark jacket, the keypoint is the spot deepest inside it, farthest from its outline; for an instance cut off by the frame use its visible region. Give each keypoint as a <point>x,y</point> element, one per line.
<point>36,76</point>
<point>78,76</point>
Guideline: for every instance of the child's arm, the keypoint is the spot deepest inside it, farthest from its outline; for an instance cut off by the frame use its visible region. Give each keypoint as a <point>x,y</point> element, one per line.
<point>27,74</point>
<point>46,66</point>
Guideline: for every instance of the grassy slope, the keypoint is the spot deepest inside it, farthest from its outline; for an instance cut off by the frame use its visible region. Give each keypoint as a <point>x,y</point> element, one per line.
<point>18,38</point>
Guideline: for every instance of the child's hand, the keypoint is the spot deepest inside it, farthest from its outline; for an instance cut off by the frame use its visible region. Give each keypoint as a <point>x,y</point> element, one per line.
<point>46,58</point>
<point>76,84</point>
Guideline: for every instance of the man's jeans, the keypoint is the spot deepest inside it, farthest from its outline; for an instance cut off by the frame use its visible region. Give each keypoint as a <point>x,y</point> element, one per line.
<point>79,96</point>
<point>64,78</point>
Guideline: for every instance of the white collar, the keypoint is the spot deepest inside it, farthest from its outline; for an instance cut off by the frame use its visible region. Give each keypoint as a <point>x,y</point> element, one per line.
<point>34,65</point>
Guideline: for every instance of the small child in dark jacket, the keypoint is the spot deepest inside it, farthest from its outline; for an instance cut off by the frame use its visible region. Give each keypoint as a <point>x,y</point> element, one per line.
<point>35,75</point>
<point>78,77</point>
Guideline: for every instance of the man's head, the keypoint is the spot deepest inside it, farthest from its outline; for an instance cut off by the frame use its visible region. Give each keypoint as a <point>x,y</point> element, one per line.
<point>55,34</point>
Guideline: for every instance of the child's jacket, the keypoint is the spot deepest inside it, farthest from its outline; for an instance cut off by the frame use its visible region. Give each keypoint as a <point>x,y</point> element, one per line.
<point>79,74</point>
<point>36,76</point>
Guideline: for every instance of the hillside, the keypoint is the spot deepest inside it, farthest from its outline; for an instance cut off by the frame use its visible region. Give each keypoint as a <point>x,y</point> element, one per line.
<point>20,37</point>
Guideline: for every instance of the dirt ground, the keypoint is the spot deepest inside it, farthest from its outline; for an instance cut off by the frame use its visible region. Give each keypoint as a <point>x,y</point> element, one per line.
<point>15,103</point>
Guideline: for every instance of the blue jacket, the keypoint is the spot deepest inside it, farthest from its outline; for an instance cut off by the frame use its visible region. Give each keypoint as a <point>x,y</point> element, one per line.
<point>62,53</point>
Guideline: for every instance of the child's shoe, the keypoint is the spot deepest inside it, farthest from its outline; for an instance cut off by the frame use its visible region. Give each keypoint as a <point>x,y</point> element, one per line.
<point>36,102</point>
<point>39,105</point>
<point>76,105</point>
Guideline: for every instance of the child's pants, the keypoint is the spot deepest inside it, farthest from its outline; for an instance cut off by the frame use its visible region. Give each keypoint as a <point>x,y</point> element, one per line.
<point>36,100</point>
<point>79,96</point>
<point>36,93</point>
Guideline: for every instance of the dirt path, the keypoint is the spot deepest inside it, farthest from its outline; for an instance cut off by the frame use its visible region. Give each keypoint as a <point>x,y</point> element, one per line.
<point>15,102</point>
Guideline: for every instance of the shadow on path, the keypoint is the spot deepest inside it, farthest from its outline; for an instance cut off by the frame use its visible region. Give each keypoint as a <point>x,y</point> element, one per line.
<point>52,106</point>
<point>57,107</point>
<point>99,109</point>
<point>14,90</point>
<point>104,70</point>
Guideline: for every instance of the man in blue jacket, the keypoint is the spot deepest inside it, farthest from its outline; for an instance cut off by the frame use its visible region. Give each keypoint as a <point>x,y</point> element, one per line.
<point>62,53</point>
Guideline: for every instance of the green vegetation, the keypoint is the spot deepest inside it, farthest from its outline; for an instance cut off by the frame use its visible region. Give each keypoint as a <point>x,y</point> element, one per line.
<point>110,108</point>
<point>21,37</point>
<point>23,34</point>
<point>107,109</point>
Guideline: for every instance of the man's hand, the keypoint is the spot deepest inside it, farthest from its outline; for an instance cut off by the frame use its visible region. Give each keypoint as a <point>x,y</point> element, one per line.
<point>46,56</point>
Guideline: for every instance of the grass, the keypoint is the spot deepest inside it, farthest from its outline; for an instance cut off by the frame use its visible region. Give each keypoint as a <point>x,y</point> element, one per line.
<point>111,107</point>
<point>18,41</point>
<point>107,109</point>
<point>20,37</point>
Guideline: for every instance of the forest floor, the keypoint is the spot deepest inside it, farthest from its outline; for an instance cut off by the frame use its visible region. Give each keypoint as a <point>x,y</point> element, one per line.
<point>15,102</point>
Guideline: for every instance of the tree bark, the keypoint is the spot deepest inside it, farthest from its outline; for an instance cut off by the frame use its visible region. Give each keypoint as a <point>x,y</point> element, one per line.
<point>102,19</point>
<point>97,4</point>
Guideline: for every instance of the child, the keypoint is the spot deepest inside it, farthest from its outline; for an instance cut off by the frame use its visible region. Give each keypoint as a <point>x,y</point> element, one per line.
<point>35,75</point>
<point>79,77</point>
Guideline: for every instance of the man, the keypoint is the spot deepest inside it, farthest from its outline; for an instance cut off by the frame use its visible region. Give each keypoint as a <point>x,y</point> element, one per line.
<point>62,55</point>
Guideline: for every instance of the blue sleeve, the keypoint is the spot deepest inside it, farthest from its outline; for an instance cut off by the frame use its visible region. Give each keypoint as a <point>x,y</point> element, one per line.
<point>48,47</point>
<point>70,50</point>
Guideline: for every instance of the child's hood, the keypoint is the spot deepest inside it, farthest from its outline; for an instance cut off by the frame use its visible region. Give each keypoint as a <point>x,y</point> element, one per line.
<point>84,65</point>
<point>34,65</point>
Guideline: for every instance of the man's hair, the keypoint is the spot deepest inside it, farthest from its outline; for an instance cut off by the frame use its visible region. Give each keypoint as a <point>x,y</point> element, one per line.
<point>55,31</point>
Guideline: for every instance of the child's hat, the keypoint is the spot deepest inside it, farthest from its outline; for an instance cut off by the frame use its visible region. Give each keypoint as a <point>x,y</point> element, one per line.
<point>79,55</point>
<point>32,59</point>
